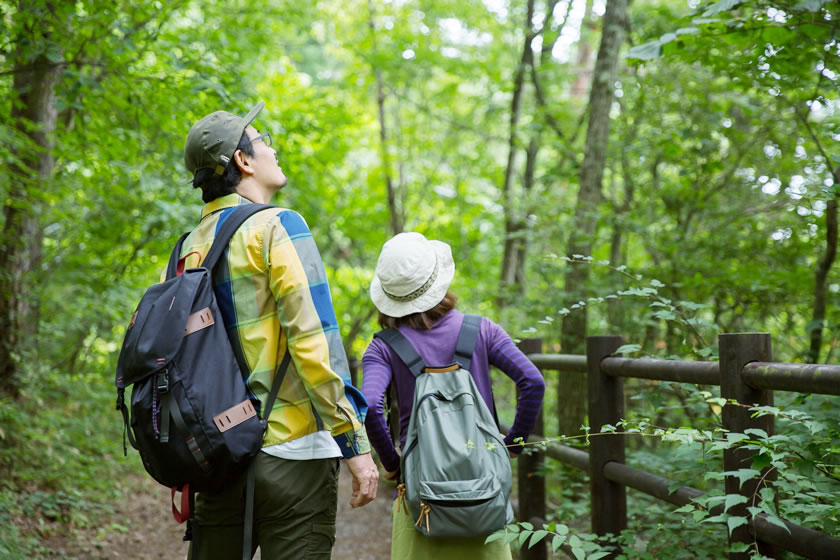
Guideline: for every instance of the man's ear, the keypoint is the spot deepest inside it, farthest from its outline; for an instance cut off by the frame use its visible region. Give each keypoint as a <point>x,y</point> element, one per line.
<point>242,161</point>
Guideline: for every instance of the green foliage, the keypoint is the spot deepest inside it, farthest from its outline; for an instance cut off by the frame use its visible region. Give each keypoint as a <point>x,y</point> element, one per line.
<point>60,460</point>
<point>719,170</point>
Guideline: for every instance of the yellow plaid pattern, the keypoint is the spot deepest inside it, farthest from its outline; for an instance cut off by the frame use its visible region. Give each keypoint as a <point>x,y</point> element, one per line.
<point>272,292</point>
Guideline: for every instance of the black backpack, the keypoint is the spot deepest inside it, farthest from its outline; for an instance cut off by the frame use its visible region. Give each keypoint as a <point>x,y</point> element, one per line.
<point>191,417</point>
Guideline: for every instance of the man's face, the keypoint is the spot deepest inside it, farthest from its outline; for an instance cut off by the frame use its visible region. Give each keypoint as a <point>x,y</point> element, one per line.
<point>264,162</point>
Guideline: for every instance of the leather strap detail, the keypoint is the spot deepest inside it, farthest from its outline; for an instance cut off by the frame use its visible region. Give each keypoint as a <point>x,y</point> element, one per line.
<point>453,367</point>
<point>199,320</point>
<point>234,416</point>
<point>133,320</point>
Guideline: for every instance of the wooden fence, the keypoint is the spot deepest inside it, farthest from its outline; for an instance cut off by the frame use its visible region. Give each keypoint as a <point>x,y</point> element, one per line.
<point>744,373</point>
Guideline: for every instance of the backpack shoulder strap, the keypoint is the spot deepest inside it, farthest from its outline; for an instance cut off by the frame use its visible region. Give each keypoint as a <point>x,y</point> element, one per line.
<point>172,267</point>
<point>403,348</point>
<point>229,227</point>
<point>467,339</point>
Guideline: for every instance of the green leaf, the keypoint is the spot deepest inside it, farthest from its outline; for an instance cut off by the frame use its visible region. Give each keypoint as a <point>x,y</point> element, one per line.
<point>734,522</point>
<point>557,542</point>
<point>761,462</point>
<point>598,555</point>
<point>733,499</point>
<point>739,547</point>
<point>523,536</point>
<point>743,475</point>
<point>494,536</point>
<point>809,5</point>
<point>722,6</point>
<point>526,525</point>
<point>628,348</point>
<point>645,51</point>
<point>758,432</point>
<point>776,521</point>
<point>579,553</point>
<point>537,537</point>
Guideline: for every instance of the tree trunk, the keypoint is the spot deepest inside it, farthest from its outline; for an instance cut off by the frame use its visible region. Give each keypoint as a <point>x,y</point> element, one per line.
<point>581,83</point>
<point>818,318</point>
<point>20,245</point>
<point>571,391</point>
<point>509,264</point>
<point>396,211</point>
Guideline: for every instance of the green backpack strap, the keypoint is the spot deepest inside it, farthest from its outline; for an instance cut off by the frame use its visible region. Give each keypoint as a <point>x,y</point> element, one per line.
<point>404,350</point>
<point>467,339</point>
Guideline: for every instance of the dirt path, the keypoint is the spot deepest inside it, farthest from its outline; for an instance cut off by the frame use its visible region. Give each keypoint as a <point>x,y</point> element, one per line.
<point>361,534</point>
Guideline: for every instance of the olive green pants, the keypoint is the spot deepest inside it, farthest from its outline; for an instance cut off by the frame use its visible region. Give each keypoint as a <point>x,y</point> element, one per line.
<point>294,512</point>
<point>407,543</point>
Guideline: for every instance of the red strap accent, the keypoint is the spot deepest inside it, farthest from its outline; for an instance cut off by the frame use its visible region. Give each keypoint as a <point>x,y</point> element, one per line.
<point>183,261</point>
<point>184,514</point>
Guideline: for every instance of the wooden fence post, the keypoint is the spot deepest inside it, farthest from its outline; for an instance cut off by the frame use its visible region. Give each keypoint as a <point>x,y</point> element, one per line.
<point>736,351</point>
<point>531,476</point>
<point>606,406</point>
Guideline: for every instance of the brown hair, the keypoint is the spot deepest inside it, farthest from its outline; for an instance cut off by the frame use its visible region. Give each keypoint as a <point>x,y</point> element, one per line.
<point>423,320</point>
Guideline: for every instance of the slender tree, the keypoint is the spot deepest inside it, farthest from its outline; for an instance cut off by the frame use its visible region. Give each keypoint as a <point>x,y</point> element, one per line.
<point>571,391</point>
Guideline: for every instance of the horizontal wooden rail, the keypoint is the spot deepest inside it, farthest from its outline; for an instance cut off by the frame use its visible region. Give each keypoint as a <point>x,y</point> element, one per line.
<point>803,378</point>
<point>564,362</point>
<point>650,484</point>
<point>800,540</point>
<point>744,373</point>
<point>702,373</point>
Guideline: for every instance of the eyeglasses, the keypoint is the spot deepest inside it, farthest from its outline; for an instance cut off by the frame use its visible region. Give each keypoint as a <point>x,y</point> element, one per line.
<point>265,137</point>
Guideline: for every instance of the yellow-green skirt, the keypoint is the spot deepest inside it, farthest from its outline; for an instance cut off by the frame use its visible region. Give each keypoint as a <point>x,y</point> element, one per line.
<point>408,543</point>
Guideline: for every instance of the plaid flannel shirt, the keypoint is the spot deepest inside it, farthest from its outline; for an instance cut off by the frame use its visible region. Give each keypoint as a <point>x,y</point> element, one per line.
<point>272,291</point>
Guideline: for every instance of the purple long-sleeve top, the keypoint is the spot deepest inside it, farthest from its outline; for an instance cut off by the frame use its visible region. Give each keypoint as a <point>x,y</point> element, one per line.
<point>382,366</point>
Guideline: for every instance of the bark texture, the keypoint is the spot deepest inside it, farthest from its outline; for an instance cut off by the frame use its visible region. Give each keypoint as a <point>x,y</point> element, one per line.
<point>820,277</point>
<point>34,117</point>
<point>571,391</point>
<point>513,223</point>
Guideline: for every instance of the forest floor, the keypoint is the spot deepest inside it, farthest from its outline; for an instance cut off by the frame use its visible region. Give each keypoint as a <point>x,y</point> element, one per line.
<point>143,529</point>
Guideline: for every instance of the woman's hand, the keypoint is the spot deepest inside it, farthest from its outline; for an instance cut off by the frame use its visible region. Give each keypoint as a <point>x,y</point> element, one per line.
<point>390,475</point>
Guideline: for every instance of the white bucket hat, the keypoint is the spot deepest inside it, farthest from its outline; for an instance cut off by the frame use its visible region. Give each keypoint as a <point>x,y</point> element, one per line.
<point>412,275</point>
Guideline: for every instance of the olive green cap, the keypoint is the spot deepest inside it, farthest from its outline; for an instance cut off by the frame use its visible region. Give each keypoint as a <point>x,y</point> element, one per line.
<point>212,140</point>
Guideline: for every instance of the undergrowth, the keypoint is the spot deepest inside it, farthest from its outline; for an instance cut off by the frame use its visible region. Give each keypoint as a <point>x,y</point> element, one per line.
<point>61,460</point>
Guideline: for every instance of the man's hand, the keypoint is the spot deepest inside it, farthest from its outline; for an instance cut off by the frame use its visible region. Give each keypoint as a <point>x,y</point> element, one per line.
<point>365,479</point>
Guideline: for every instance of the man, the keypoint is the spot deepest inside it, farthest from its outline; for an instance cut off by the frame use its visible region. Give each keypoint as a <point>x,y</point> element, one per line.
<point>273,295</point>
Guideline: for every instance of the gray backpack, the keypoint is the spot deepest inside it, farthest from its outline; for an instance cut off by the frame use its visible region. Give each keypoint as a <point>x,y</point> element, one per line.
<point>456,473</point>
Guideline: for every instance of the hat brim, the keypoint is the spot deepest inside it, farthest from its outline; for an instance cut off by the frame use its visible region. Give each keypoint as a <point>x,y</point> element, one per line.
<point>428,300</point>
<point>252,114</point>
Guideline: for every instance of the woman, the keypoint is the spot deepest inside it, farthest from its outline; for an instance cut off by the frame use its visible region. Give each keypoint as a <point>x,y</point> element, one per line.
<point>410,289</point>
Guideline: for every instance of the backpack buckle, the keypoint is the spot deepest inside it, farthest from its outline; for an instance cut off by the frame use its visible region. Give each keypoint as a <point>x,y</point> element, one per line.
<point>163,381</point>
